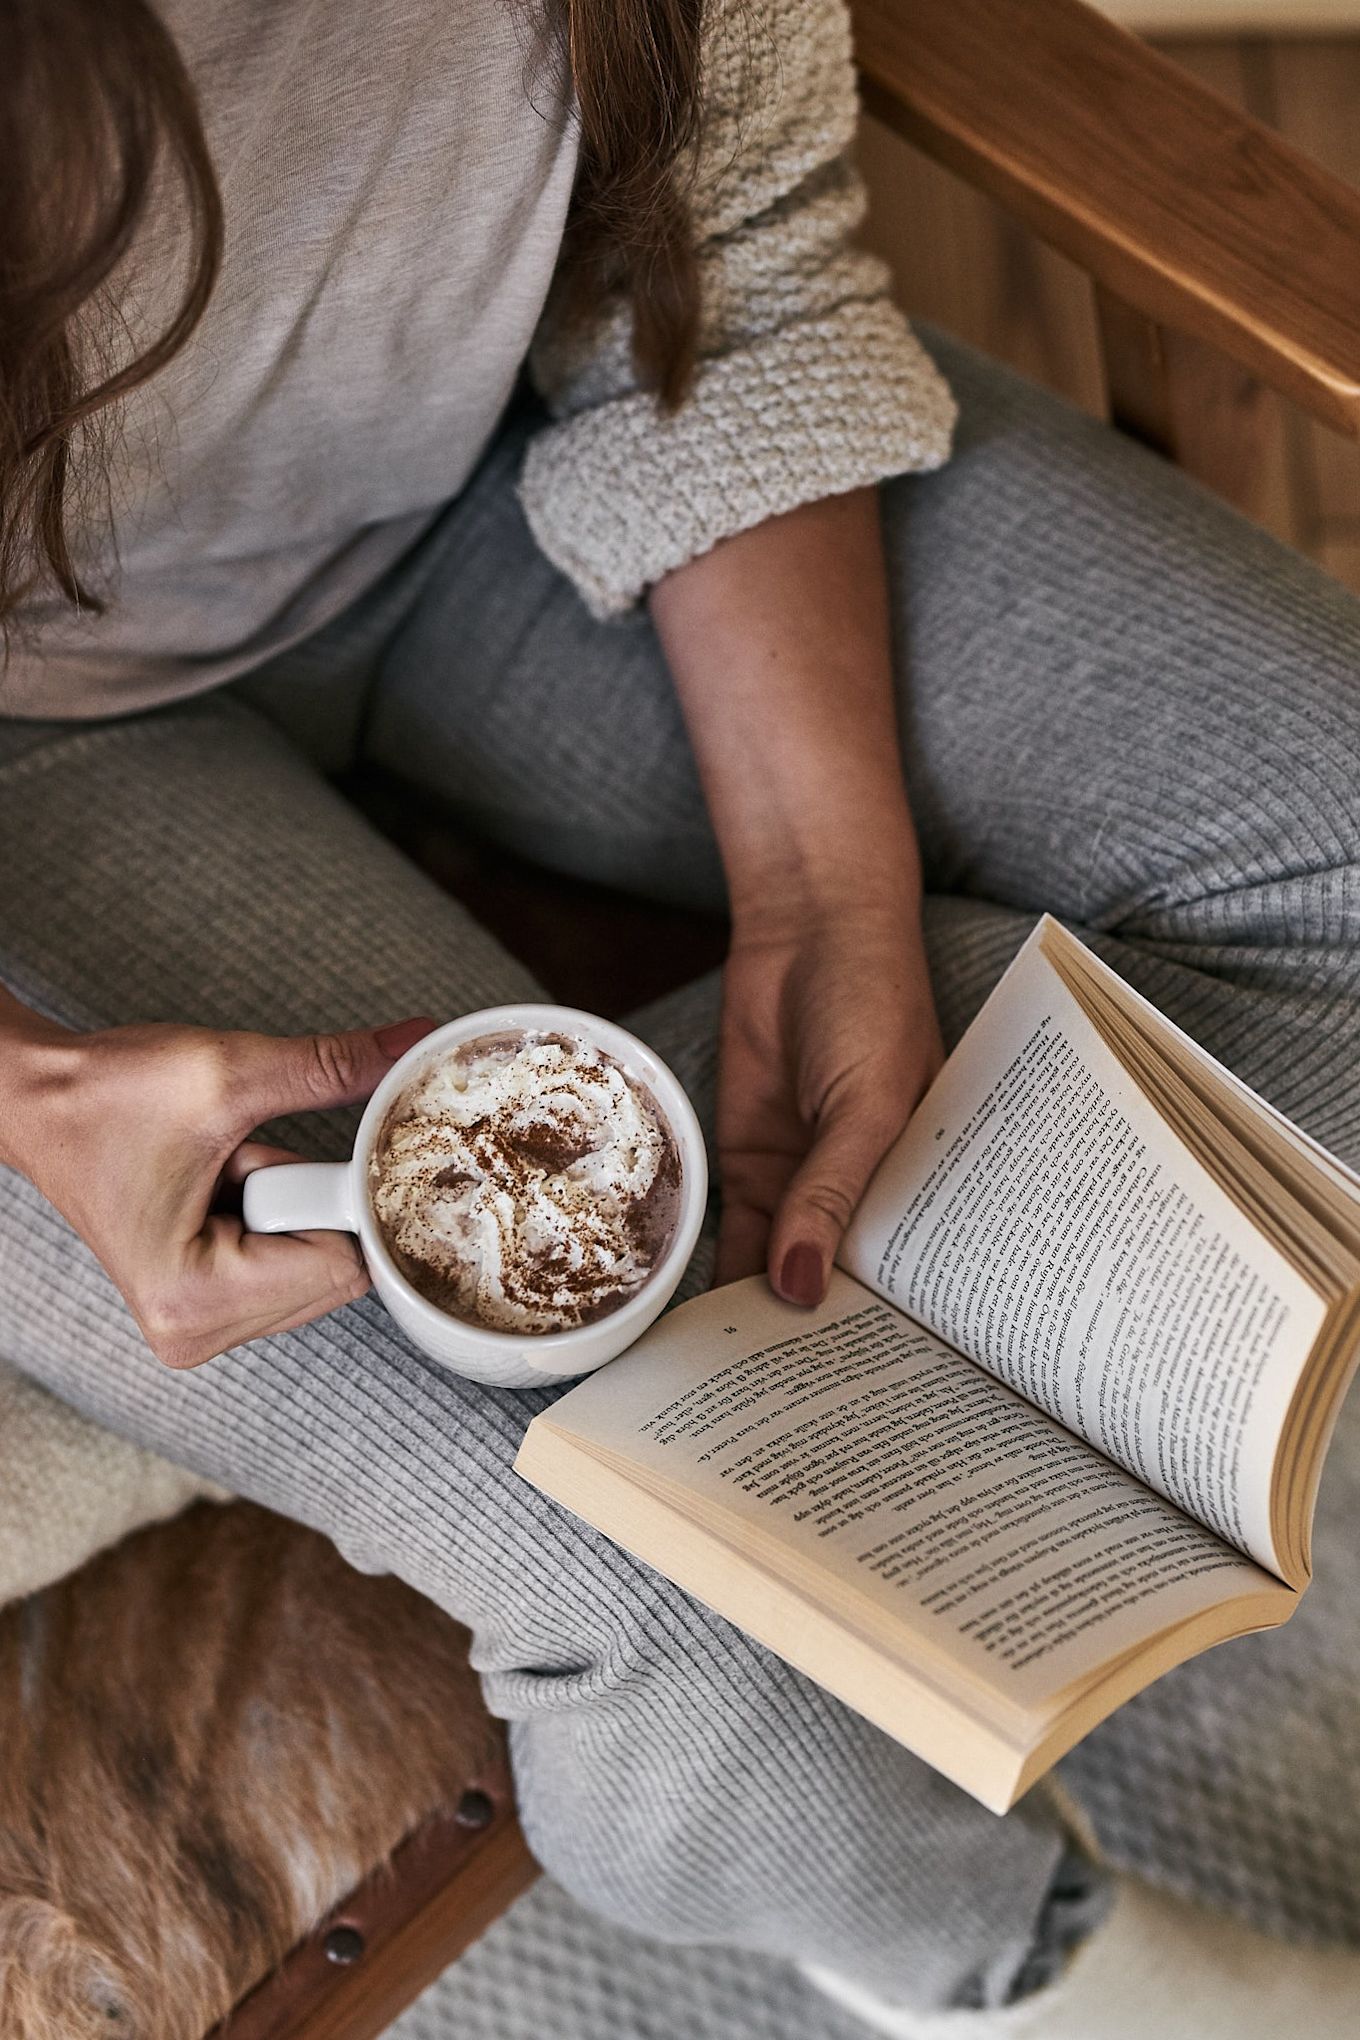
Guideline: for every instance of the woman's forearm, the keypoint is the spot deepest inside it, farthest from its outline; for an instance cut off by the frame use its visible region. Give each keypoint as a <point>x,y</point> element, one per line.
<point>780,646</point>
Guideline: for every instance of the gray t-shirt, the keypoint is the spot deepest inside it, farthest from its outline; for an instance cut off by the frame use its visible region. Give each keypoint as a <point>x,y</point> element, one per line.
<point>396,175</point>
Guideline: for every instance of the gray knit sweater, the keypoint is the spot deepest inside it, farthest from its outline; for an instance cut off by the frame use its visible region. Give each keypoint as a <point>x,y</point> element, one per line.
<point>397,176</point>
<point>811,383</point>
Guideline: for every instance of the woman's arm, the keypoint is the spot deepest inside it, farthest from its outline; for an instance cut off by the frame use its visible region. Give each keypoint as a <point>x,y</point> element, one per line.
<point>779,643</point>
<point>809,389</point>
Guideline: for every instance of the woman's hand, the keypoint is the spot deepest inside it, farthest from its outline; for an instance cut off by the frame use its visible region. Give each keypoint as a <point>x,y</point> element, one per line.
<point>829,1038</point>
<point>140,1136</point>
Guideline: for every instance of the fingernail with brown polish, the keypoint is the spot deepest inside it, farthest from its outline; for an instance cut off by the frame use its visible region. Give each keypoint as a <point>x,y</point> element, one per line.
<point>399,1035</point>
<point>800,1274</point>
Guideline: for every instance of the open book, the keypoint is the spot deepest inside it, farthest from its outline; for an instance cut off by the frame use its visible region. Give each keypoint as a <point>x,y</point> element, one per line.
<point>1060,1421</point>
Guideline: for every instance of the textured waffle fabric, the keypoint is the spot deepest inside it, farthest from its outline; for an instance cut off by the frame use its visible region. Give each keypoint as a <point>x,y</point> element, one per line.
<point>550,1971</point>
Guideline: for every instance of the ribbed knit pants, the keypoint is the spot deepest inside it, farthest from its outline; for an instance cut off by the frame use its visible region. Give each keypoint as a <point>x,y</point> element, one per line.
<point>1118,702</point>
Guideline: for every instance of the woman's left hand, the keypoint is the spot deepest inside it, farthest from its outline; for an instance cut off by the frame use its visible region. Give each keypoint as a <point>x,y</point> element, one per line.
<point>829,1038</point>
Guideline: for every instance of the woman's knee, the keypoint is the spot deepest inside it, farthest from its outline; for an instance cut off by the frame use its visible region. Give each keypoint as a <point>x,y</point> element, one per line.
<point>1120,698</point>
<point>638,1768</point>
<point>675,1789</point>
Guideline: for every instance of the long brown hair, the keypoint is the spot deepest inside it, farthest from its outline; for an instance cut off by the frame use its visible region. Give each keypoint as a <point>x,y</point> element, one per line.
<point>96,107</point>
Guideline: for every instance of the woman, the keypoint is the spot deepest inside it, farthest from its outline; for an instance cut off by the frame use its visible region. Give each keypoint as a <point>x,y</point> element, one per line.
<point>271,502</point>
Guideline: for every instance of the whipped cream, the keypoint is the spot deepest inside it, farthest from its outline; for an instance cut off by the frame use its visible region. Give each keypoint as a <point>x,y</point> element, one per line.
<point>526,1182</point>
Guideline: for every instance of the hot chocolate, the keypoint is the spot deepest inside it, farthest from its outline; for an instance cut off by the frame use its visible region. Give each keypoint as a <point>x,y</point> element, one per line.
<point>526,1182</point>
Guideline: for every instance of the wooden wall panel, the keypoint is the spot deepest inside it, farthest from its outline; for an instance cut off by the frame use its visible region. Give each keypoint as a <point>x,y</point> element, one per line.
<point>1315,90</point>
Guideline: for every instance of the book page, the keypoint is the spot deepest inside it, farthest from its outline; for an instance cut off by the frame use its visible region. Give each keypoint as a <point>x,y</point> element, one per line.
<point>1342,1178</point>
<point>851,1442</point>
<point>1040,1215</point>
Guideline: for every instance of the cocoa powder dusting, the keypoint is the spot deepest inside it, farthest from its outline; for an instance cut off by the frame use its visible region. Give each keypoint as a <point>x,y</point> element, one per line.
<point>544,1146</point>
<point>514,1155</point>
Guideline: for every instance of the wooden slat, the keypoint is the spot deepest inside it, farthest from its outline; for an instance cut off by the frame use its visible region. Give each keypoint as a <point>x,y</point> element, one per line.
<point>1206,412</point>
<point>1231,433</point>
<point>1137,373</point>
<point>444,1886</point>
<point>1192,214</point>
<point>958,259</point>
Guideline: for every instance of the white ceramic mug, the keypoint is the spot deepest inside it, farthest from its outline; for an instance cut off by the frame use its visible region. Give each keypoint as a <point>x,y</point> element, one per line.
<point>334,1196</point>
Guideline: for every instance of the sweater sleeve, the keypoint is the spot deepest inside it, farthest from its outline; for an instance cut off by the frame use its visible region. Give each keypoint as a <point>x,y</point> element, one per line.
<point>810,382</point>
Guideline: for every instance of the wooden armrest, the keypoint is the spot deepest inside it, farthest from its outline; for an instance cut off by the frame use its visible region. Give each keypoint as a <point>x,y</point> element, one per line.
<point>371,1957</point>
<point>1188,210</point>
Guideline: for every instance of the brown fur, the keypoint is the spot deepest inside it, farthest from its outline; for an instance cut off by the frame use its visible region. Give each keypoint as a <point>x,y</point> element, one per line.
<point>207,1737</point>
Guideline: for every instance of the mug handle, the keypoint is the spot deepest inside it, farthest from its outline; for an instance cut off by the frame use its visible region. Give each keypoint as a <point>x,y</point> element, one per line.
<point>299,1197</point>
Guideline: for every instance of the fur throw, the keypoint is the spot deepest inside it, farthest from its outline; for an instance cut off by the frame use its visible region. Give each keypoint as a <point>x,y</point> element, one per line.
<point>208,1736</point>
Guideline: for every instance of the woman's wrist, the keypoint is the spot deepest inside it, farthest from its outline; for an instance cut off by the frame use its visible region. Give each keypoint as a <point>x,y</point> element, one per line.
<point>780,646</point>
<point>34,1062</point>
<point>856,870</point>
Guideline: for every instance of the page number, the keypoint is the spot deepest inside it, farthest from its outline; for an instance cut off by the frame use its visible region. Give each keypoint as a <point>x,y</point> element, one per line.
<point>729,1328</point>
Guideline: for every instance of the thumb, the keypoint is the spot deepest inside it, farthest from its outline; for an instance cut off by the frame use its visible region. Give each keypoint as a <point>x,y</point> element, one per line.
<point>821,1199</point>
<point>312,1072</point>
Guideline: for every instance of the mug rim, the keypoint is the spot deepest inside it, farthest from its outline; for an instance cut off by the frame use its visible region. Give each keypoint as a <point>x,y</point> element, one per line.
<point>629,1051</point>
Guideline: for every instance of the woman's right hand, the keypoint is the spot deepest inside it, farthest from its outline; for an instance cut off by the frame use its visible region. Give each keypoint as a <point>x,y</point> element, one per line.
<point>140,1136</point>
